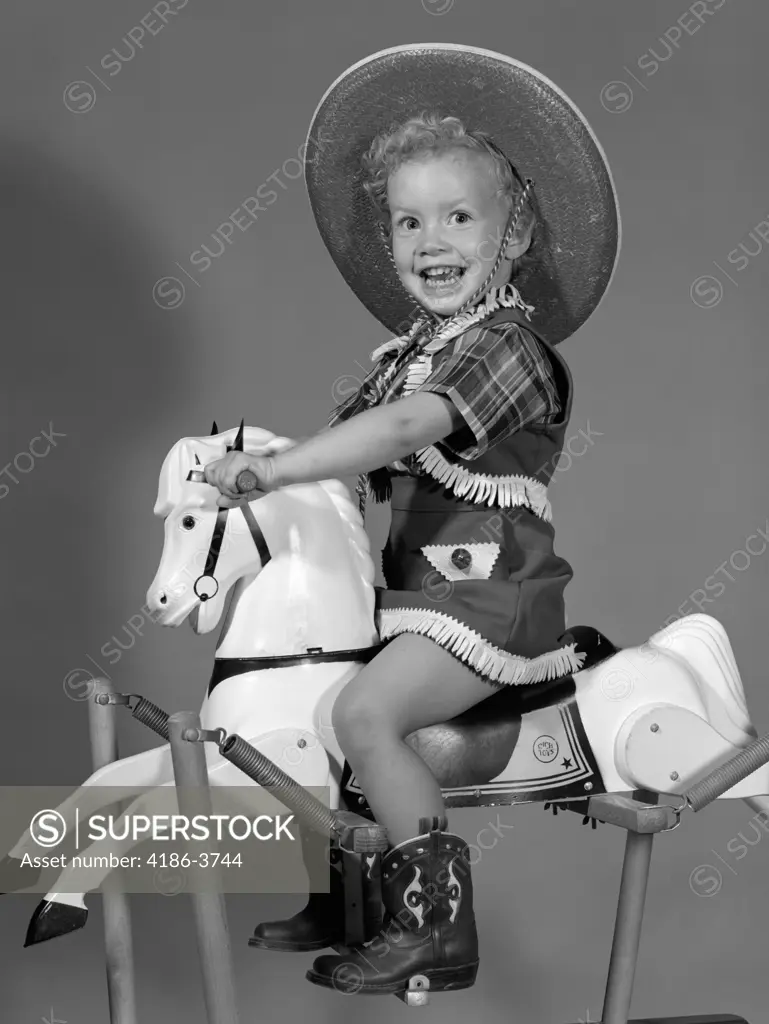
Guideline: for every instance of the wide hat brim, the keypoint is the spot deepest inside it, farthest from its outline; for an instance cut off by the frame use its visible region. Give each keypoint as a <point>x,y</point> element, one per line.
<point>537,127</point>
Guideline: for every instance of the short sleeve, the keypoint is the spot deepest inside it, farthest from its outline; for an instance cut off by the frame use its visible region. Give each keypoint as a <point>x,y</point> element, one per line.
<point>500,380</point>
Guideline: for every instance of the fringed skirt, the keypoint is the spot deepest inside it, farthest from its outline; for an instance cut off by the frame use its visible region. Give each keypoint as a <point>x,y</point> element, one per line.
<point>484,583</point>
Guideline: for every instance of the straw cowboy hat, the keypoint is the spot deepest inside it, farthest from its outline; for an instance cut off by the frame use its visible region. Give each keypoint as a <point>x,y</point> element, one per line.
<point>537,127</point>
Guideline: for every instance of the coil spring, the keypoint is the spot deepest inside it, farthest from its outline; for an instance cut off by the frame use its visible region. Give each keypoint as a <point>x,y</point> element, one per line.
<point>727,775</point>
<point>152,716</point>
<point>264,772</point>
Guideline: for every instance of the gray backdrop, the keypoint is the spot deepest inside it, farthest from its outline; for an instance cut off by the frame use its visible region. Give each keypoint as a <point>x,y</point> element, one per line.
<point>111,183</point>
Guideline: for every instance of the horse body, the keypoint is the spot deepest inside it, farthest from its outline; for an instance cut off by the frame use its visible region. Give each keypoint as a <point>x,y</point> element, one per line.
<point>298,572</point>
<point>680,691</point>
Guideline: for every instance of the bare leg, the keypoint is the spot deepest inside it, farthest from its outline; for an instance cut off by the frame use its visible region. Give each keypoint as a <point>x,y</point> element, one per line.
<point>411,684</point>
<point>428,925</point>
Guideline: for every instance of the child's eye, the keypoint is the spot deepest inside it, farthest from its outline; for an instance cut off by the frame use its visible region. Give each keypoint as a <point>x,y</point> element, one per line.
<point>409,223</point>
<point>461,217</point>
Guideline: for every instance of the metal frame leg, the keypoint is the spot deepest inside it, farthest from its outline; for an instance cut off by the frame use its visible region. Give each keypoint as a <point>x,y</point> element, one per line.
<point>191,776</point>
<point>627,927</point>
<point>121,985</point>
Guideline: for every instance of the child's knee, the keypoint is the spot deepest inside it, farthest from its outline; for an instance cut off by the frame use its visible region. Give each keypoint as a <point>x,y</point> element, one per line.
<point>355,721</point>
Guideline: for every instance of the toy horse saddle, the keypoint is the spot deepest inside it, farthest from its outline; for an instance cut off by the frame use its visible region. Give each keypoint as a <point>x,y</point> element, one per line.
<point>479,743</point>
<point>649,717</point>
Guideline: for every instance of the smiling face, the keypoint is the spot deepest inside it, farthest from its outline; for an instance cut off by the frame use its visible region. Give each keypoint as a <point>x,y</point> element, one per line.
<point>448,220</point>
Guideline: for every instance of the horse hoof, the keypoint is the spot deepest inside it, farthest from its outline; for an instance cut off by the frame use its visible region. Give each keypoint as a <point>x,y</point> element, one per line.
<point>15,876</point>
<point>52,919</point>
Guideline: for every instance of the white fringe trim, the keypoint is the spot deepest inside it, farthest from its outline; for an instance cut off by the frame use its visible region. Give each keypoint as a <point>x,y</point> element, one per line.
<point>507,295</point>
<point>503,491</point>
<point>419,370</point>
<point>396,344</point>
<point>470,647</point>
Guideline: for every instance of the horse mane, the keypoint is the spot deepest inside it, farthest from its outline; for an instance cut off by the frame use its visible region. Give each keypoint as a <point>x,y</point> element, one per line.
<point>348,512</point>
<point>350,515</point>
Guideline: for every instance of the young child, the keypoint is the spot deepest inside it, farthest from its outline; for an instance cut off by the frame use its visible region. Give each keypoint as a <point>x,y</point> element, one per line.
<point>460,424</point>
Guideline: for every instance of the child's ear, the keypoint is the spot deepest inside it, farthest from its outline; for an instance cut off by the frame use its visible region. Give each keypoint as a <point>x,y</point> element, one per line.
<point>519,243</point>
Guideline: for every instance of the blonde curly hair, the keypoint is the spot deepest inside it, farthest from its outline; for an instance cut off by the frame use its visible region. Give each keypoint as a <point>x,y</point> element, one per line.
<point>430,133</point>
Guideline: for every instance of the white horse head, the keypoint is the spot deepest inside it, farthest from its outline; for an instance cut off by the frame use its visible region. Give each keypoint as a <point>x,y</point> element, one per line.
<point>300,560</point>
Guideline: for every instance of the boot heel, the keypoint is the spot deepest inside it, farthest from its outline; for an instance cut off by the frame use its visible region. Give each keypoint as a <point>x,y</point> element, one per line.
<point>449,979</point>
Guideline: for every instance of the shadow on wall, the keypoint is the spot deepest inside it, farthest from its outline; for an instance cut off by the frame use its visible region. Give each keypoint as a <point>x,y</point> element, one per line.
<point>88,367</point>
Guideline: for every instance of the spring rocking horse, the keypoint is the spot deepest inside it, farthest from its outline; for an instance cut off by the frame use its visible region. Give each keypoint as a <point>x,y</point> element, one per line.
<point>635,738</point>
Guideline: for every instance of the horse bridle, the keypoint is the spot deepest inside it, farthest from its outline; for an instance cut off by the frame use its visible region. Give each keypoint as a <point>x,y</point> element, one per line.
<point>197,476</point>
<point>224,668</point>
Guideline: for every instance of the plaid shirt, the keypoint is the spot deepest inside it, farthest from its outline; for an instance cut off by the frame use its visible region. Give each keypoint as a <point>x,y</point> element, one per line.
<point>500,380</point>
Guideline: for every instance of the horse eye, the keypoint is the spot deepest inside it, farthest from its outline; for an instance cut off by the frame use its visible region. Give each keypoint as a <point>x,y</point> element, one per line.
<point>188,523</point>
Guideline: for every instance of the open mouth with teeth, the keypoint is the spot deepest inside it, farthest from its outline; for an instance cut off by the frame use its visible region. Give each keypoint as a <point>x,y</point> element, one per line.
<point>442,278</point>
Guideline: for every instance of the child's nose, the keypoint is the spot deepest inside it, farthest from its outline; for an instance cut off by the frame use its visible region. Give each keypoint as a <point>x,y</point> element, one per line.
<point>431,242</point>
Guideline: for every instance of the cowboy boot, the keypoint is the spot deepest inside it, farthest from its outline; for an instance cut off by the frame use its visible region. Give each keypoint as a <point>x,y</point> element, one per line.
<point>321,922</point>
<point>428,927</point>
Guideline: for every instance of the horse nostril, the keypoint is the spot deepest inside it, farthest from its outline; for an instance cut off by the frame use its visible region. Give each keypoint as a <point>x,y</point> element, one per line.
<point>163,599</point>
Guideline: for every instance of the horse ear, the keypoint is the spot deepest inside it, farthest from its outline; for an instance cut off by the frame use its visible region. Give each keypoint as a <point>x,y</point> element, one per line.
<point>238,443</point>
<point>214,428</point>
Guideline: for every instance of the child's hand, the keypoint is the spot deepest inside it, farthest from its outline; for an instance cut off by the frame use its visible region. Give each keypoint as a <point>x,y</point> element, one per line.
<point>223,474</point>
